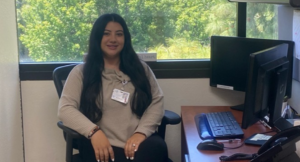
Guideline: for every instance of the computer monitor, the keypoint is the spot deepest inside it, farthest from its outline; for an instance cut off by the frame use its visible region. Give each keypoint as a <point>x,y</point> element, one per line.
<point>267,79</point>
<point>230,56</point>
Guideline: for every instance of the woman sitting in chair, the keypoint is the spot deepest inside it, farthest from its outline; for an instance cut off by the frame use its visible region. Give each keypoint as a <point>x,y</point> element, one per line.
<point>113,99</point>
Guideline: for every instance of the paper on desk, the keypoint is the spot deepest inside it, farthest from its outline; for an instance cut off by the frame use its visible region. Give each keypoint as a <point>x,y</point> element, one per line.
<point>260,137</point>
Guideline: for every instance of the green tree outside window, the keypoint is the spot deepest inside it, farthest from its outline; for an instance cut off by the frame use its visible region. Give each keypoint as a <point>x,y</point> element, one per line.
<point>58,30</point>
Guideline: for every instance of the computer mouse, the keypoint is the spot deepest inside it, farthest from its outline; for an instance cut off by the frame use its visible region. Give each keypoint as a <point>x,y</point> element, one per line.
<point>210,145</point>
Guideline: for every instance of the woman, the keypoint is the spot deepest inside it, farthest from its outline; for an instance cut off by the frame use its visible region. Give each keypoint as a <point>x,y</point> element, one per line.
<point>113,99</point>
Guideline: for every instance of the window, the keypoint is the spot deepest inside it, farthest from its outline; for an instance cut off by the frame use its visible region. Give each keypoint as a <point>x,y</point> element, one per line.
<point>57,31</point>
<point>262,21</point>
<point>53,33</point>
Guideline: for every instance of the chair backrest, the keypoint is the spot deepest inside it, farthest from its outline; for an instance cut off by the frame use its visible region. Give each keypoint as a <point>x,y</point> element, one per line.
<point>60,74</point>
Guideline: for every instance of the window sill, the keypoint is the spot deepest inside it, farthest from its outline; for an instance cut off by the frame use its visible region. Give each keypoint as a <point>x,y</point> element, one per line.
<point>166,69</point>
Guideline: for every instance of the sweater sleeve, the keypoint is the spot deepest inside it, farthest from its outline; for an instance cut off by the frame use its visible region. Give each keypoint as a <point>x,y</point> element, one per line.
<point>152,116</point>
<point>68,107</point>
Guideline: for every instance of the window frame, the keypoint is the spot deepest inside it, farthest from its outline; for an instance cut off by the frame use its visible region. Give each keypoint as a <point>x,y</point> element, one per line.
<point>163,69</point>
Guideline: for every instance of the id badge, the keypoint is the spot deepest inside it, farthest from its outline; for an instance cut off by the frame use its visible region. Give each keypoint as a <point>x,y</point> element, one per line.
<point>120,96</point>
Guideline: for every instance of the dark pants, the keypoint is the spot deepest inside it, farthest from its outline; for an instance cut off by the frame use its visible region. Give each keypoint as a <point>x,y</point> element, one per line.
<point>153,149</point>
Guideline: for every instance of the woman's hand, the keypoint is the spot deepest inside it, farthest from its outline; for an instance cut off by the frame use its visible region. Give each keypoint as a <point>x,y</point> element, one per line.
<point>133,144</point>
<point>102,147</point>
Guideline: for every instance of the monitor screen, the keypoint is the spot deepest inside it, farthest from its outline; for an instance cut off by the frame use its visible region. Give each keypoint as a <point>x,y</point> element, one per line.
<point>230,56</point>
<point>267,78</point>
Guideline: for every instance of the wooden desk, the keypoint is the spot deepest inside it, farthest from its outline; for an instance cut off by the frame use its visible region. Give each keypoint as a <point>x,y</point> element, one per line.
<point>190,137</point>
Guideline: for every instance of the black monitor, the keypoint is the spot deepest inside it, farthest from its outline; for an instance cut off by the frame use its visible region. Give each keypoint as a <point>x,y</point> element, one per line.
<point>230,56</point>
<point>267,79</point>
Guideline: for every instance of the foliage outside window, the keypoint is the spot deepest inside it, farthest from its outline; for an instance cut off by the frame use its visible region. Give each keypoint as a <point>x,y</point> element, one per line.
<point>57,30</point>
<point>262,21</point>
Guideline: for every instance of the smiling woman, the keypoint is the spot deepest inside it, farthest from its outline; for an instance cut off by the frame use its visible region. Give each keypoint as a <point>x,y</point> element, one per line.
<point>119,100</point>
<point>112,41</point>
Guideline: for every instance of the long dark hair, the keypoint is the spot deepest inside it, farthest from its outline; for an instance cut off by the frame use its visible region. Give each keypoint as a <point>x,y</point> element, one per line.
<point>130,65</point>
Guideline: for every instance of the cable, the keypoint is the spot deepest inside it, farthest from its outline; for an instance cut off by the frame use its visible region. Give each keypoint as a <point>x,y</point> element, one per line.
<point>295,112</point>
<point>229,140</point>
<point>238,156</point>
<point>235,146</point>
<point>269,132</point>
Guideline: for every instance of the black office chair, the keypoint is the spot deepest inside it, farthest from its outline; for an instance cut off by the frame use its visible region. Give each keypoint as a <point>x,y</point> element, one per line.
<point>60,74</point>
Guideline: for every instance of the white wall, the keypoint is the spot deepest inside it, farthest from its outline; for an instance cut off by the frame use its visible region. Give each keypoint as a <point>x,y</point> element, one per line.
<point>40,108</point>
<point>285,32</point>
<point>11,146</point>
<point>43,140</point>
<point>294,101</point>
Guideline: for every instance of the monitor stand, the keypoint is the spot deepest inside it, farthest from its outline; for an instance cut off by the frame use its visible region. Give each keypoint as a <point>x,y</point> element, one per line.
<point>238,107</point>
<point>282,124</point>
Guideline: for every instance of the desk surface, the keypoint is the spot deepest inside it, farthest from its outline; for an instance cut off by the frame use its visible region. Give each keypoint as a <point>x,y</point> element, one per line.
<point>191,138</point>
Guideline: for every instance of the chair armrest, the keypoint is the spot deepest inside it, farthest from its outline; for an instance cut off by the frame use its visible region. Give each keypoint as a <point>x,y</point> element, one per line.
<point>171,118</point>
<point>73,134</point>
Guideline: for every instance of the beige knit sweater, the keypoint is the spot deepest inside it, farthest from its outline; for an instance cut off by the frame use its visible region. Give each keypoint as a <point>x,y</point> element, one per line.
<point>117,122</point>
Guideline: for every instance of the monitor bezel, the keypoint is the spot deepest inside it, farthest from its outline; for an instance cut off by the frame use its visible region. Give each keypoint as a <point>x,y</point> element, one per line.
<point>261,66</point>
<point>232,43</point>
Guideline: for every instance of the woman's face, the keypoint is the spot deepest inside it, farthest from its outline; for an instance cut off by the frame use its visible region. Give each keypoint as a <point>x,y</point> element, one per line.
<point>113,40</point>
